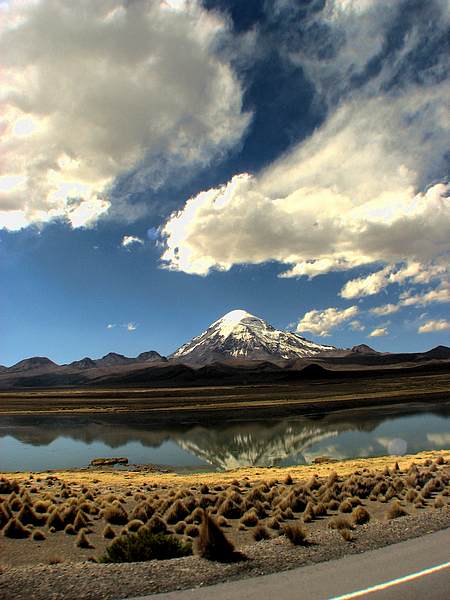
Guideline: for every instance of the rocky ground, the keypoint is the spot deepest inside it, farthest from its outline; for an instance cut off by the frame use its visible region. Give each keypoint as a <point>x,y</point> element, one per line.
<point>54,526</point>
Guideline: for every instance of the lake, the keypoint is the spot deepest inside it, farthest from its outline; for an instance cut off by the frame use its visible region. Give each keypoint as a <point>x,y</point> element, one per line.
<point>54,442</point>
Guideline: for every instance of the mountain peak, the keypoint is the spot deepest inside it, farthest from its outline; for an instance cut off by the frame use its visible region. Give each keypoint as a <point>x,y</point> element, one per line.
<point>236,316</point>
<point>239,334</point>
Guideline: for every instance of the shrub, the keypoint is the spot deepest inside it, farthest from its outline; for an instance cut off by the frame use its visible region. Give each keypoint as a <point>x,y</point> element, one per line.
<point>439,460</point>
<point>204,489</point>
<point>360,515</point>
<point>339,522</point>
<point>250,518</point>
<point>346,506</point>
<point>115,514</point>
<point>135,525</point>
<point>395,511</point>
<point>295,534</point>
<point>273,523</point>
<point>192,530</point>
<point>109,533</point>
<point>156,525</point>
<point>5,515</point>
<point>38,535</point>
<point>333,505</point>
<point>80,521</point>
<point>180,527</point>
<point>213,544</point>
<point>69,529</point>
<point>288,479</point>
<point>261,533</point>
<point>55,521</point>
<point>411,495</point>
<point>82,541</point>
<point>15,529</point>
<point>346,534</point>
<point>320,510</point>
<point>177,512</point>
<point>142,546</point>
<point>222,522</point>
<point>41,506</point>
<point>197,515</point>
<point>439,502</point>
<point>8,486</point>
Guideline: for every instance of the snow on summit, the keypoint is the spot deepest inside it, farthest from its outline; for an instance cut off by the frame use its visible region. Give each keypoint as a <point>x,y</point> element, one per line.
<point>239,334</point>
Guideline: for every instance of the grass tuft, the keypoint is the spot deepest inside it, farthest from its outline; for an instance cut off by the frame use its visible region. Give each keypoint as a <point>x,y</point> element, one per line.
<point>261,533</point>
<point>296,534</point>
<point>395,511</point>
<point>213,544</point>
<point>14,529</point>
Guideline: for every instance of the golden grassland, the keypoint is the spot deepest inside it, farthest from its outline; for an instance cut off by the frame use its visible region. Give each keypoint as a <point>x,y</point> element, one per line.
<point>79,514</point>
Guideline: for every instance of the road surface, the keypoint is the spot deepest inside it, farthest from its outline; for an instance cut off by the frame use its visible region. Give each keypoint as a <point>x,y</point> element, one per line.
<point>416,569</point>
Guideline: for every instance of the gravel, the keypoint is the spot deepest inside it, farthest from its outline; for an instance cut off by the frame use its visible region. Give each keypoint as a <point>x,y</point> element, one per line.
<point>91,581</point>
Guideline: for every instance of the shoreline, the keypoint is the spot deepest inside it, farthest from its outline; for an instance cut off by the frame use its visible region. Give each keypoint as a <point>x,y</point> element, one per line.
<point>227,402</point>
<point>123,477</point>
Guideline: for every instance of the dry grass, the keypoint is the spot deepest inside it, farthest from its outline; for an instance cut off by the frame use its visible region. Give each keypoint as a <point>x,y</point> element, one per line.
<point>212,543</point>
<point>296,534</point>
<point>395,511</point>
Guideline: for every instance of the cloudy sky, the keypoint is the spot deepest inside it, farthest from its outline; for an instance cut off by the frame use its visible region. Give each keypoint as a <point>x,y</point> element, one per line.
<point>164,162</point>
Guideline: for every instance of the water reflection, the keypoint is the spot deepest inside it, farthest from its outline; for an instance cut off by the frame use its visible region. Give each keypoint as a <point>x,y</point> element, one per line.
<point>44,442</point>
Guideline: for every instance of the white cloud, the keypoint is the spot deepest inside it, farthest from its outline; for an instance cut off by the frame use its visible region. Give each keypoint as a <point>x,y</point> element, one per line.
<point>356,326</point>
<point>94,90</point>
<point>365,286</point>
<point>434,325</point>
<point>386,309</point>
<point>322,207</point>
<point>130,240</point>
<point>362,189</point>
<point>110,326</point>
<point>413,272</point>
<point>379,331</point>
<point>321,322</point>
<point>440,295</point>
<point>131,326</point>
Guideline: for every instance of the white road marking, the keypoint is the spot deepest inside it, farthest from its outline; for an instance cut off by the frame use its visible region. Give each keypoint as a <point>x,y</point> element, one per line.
<point>388,584</point>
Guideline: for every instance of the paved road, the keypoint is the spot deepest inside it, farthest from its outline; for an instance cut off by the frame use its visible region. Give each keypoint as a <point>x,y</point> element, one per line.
<point>417,569</point>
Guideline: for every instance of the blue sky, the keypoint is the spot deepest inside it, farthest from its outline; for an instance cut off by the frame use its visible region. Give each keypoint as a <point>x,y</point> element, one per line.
<point>165,163</point>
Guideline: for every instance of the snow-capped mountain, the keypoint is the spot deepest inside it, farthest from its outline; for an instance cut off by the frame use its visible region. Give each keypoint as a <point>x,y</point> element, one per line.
<point>238,334</point>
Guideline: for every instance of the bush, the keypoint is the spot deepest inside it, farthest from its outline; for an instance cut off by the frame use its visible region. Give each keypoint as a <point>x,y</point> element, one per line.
<point>55,520</point>
<point>295,534</point>
<point>156,525</point>
<point>191,530</point>
<point>82,541</point>
<point>15,529</point>
<point>360,516</point>
<point>346,506</point>
<point>346,534</point>
<point>177,512</point>
<point>213,544</point>
<point>261,533</point>
<point>109,533</point>
<point>339,522</point>
<point>144,545</point>
<point>8,486</point>
<point>250,518</point>
<point>38,535</point>
<point>395,511</point>
<point>115,514</point>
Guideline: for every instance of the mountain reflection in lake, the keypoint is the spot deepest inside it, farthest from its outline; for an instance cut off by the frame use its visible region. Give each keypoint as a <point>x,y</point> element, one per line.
<point>38,442</point>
